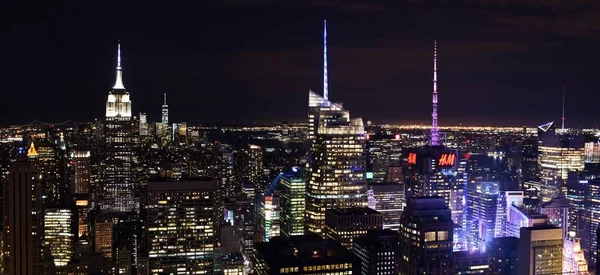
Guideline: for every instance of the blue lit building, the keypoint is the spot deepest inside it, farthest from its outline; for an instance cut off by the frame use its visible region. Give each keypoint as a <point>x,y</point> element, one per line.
<point>482,206</point>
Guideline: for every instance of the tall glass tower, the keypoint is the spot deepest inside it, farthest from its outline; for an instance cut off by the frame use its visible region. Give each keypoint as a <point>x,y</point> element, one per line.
<point>559,154</point>
<point>117,191</point>
<point>336,161</point>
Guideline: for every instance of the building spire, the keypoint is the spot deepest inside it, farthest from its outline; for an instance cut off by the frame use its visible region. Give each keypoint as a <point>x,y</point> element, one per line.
<point>119,80</point>
<point>435,136</point>
<point>325,84</point>
<point>165,95</point>
<point>563,109</point>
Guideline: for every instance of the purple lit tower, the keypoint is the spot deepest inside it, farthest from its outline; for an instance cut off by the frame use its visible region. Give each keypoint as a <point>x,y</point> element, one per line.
<point>435,136</point>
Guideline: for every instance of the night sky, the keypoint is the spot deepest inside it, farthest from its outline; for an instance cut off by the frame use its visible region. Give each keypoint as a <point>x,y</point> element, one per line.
<point>236,61</point>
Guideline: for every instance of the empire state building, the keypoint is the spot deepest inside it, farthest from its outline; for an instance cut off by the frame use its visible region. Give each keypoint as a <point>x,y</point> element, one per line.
<point>117,189</point>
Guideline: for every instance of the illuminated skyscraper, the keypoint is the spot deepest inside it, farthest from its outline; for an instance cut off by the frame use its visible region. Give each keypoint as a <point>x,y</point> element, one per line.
<point>165,112</point>
<point>382,152</point>
<point>426,237</point>
<point>82,172</point>
<point>103,232</point>
<point>269,217</point>
<point>22,219</point>
<point>559,154</point>
<point>249,167</point>
<point>388,199</point>
<point>293,202</point>
<point>163,128</point>
<point>144,126</point>
<point>577,187</point>
<point>573,258</point>
<point>443,174</point>
<point>505,200</point>
<point>336,161</point>
<point>590,220</point>
<point>592,152</point>
<point>540,250</point>
<point>82,212</point>
<point>48,160</point>
<point>187,248</point>
<point>482,206</point>
<point>117,190</point>
<point>58,236</point>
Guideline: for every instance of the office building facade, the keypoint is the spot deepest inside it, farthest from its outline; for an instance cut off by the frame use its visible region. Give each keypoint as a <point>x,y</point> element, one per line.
<point>559,154</point>
<point>346,224</point>
<point>58,236</point>
<point>187,248</point>
<point>389,199</point>
<point>540,250</point>
<point>22,219</point>
<point>293,202</point>
<point>336,163</point>
<point>482,208</point>
<point>504,256</point>
<point>426,237</point>
<point>305,254</point>
<point>379,252</point>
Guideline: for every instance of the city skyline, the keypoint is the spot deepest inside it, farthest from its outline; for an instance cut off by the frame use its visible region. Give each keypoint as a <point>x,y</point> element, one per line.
<point>380,65</point>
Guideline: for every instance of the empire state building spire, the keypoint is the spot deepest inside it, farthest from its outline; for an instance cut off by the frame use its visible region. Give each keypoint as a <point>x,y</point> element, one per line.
<point>119,80</point>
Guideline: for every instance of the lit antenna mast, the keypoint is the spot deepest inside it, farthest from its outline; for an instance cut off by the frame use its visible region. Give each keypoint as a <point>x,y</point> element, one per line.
<point>563,108</point>
<point>435,135</point>
<point>325,85</point>
<point>119,79</point>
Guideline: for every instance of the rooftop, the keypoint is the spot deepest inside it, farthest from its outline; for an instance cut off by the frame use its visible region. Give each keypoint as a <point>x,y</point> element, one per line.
<point>302,250</point>
<point>181,185</point>
<point>354,211</point>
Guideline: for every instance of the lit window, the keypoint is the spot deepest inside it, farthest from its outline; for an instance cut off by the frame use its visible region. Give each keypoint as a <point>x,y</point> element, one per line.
<point>442,235</point>
<point>430,236</point>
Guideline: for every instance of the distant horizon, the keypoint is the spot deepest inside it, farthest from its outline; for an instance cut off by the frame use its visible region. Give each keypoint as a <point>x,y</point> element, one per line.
<point>279,122</point>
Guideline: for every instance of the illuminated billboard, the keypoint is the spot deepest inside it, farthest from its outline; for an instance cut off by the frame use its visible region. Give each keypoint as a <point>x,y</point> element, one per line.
<point>447,159</point>
<point>412,158</point>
